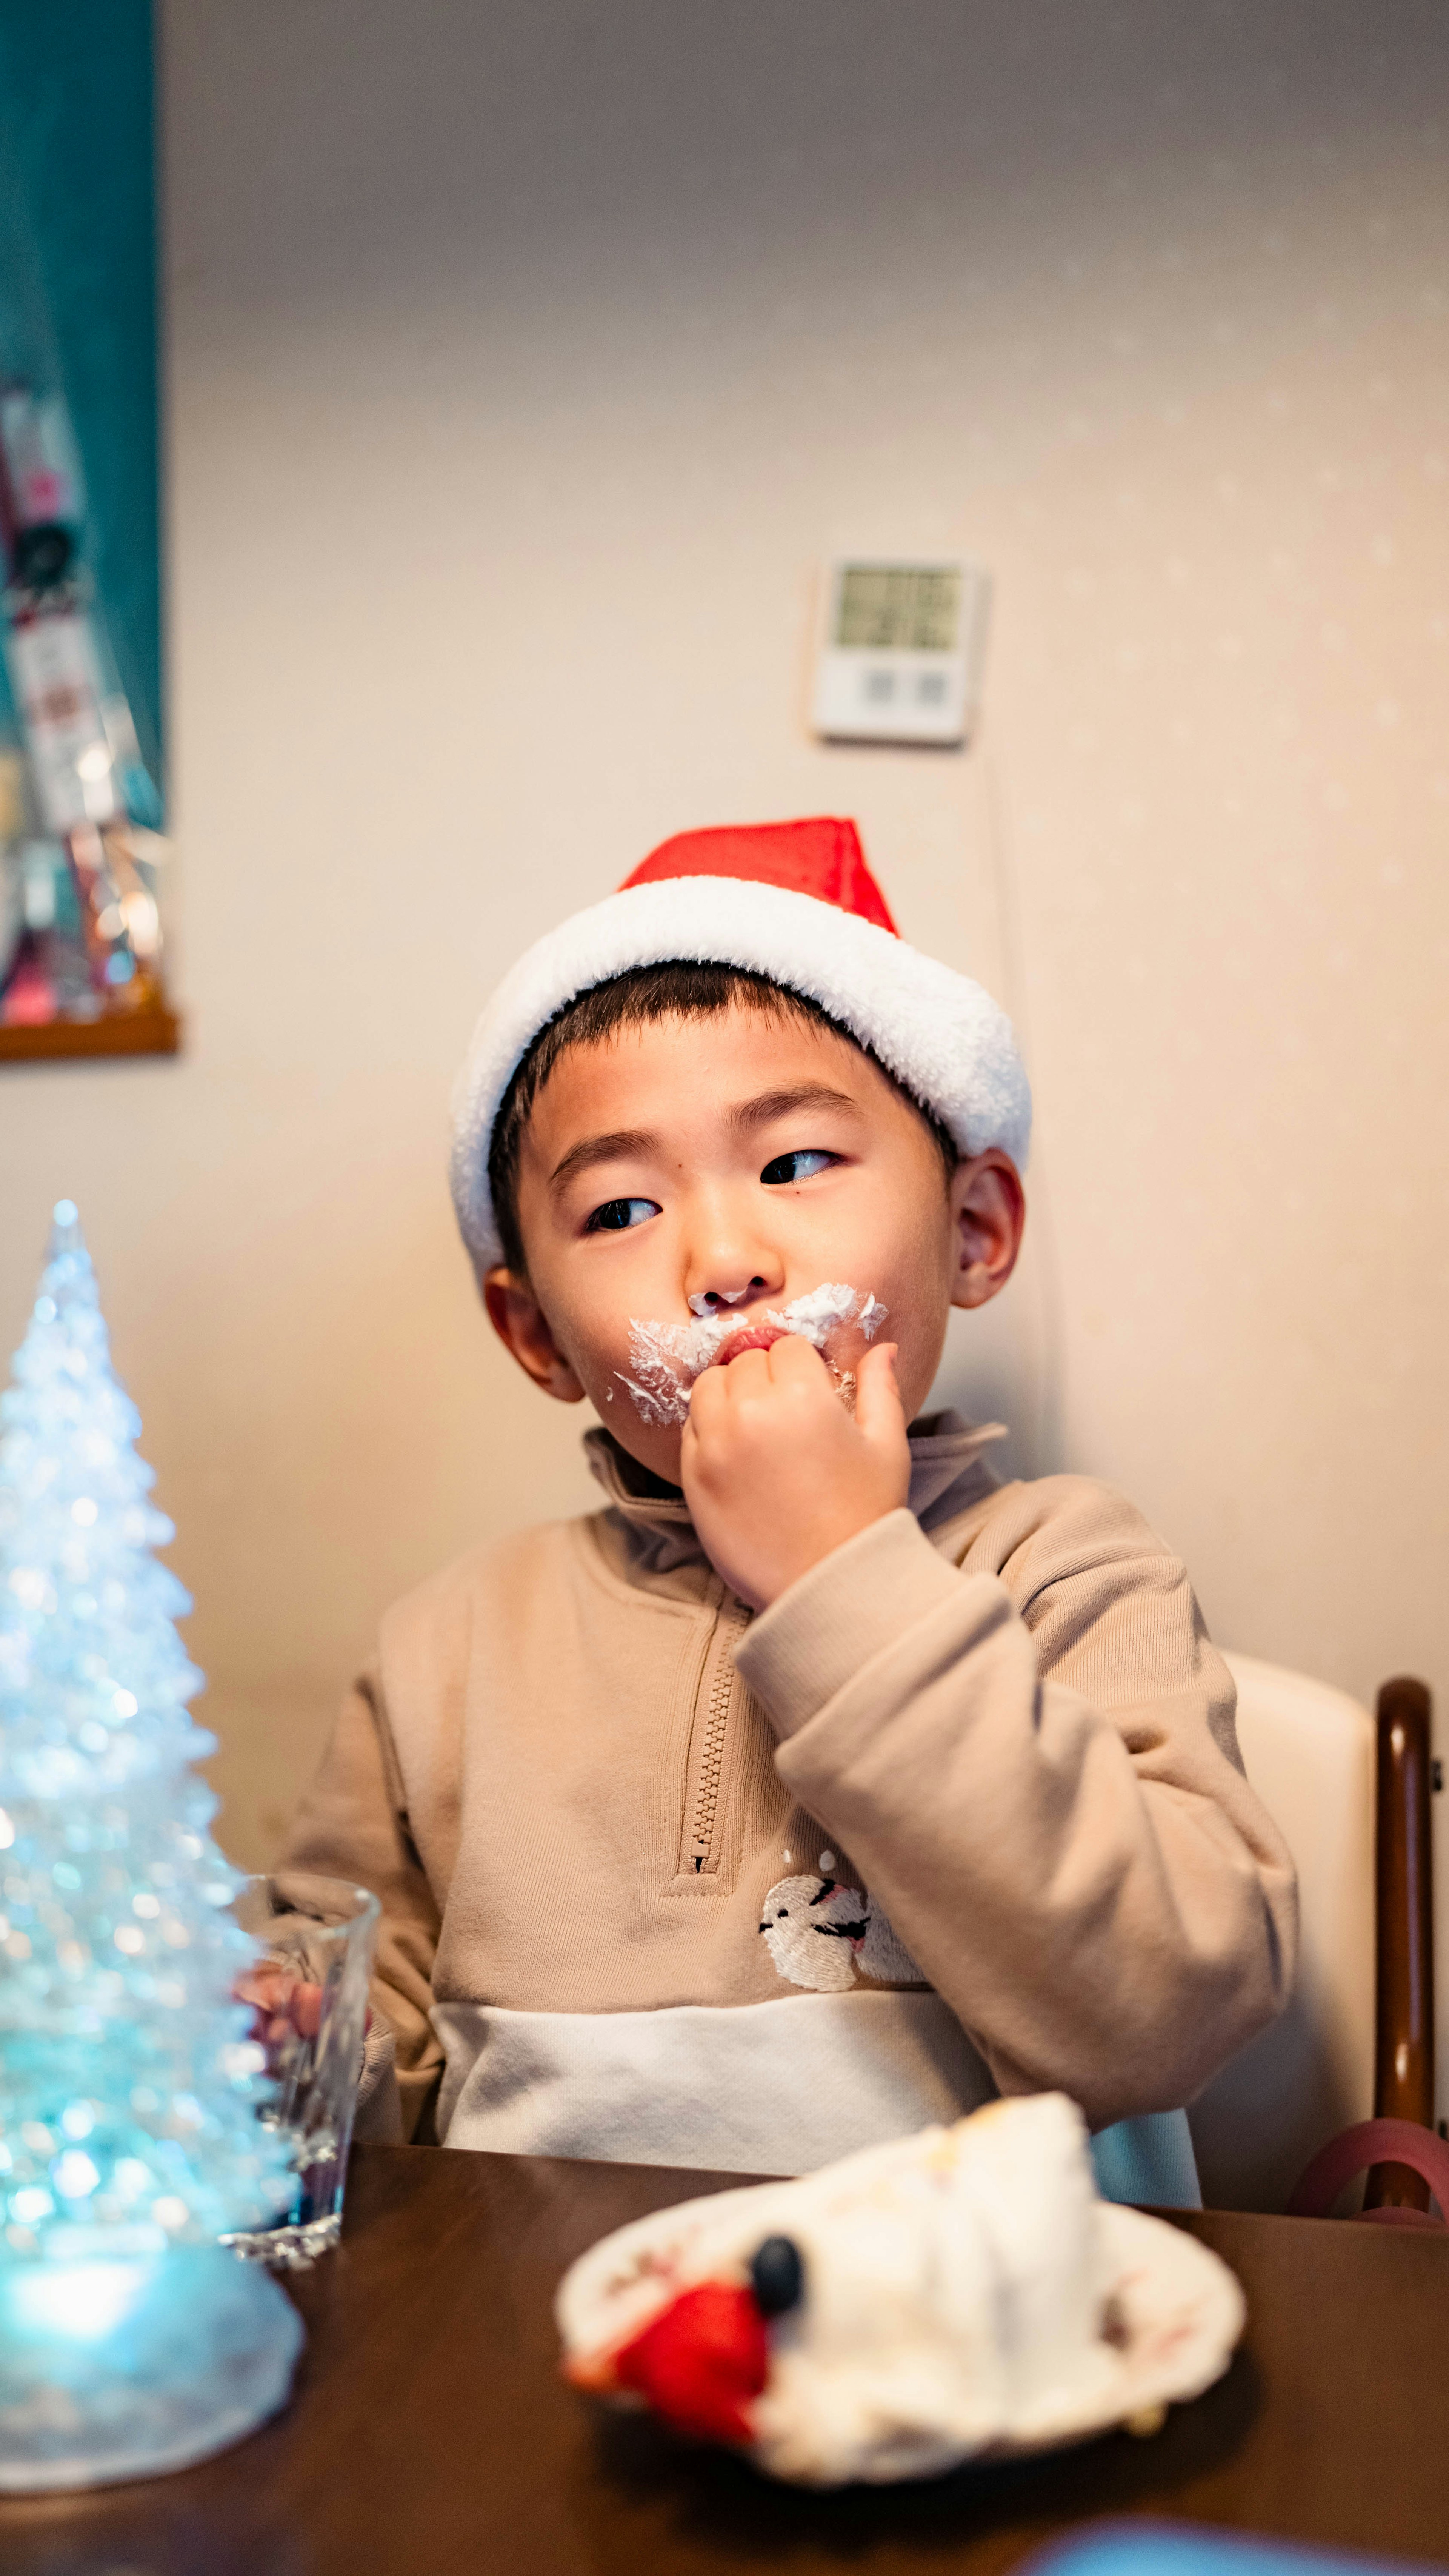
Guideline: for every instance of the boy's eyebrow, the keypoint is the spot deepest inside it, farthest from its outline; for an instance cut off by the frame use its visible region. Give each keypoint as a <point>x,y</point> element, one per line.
<point>602,1149</point>
<point>768,1105</point>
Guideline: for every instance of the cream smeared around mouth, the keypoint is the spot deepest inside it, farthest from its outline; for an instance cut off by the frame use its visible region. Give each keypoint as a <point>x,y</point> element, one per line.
<point>665,1359</point>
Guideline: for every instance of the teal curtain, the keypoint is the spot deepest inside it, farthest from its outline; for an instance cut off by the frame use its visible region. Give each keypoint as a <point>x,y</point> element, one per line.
<point>78,290</point>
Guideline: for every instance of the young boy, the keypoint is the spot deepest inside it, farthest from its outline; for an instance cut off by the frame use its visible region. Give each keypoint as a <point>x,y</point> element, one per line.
<point>819,1785</point>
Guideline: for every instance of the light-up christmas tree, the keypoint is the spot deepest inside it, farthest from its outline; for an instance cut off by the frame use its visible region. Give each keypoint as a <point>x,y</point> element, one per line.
<point>129,2138</point>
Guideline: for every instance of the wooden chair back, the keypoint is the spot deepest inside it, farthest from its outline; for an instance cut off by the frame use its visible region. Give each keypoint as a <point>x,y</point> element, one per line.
<point>1351,1795</point>
<point>1404,1884</point>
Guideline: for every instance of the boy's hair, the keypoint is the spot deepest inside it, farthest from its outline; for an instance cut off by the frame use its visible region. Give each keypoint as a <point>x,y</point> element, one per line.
<point>646,993</point>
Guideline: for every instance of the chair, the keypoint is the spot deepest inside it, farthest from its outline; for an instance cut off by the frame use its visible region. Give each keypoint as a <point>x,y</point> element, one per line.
<point>1356,2042</point>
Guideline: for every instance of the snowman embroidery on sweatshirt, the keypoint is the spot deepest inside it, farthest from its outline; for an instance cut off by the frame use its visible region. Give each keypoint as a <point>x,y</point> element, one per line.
<point>823,1933</point>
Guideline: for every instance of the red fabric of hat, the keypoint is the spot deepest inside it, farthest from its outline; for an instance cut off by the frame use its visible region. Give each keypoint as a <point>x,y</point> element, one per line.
<point>821,857</point>
<point>795,904</point>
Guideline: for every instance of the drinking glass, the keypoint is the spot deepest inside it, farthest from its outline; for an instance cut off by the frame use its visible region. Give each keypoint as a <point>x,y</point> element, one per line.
<point>308,1991</point>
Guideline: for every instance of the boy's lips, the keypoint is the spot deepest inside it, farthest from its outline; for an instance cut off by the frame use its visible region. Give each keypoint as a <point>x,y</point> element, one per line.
<point>750,1337</point>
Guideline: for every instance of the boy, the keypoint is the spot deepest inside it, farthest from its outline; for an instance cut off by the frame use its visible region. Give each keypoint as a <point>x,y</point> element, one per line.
<point>818,1786</point>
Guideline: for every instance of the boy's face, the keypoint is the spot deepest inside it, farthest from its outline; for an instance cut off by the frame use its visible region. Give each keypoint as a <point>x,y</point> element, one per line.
<point>728,1166</point>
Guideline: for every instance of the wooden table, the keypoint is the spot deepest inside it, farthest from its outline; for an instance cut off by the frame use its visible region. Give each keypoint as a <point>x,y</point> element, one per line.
<point>429,2434</point>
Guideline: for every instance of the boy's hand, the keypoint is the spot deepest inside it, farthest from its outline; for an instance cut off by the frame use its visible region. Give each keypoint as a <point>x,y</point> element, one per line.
<point>778,1474</point>
<point>284,2008</point>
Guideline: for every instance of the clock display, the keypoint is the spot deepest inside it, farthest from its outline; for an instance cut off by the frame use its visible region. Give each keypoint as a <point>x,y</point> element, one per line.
<point>898,608</point>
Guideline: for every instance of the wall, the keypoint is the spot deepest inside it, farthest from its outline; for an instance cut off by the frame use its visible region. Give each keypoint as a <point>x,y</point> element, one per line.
<point>525,365</point>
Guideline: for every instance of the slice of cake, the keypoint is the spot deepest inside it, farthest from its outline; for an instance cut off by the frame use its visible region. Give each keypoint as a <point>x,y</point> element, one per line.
<point>955,2292</point>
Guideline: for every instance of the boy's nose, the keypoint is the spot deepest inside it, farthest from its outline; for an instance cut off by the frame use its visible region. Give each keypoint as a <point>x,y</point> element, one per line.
<point>714,1287</point>
<point>728,1258</point>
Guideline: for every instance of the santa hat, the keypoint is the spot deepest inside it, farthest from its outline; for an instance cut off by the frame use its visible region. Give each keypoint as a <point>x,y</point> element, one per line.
<point>791,901</point>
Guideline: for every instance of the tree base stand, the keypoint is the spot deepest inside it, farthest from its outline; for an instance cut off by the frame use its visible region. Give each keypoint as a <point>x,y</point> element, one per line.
<point>115,2368</point>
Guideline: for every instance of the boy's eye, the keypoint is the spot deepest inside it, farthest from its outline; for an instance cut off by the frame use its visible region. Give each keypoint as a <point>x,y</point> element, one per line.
<point>796,1167</point>
<point>616,1214</point>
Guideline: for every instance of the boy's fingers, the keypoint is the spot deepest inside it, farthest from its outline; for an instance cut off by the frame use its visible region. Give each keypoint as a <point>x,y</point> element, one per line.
<point>305,2008</point>
<point>745,1375</point>
<point>793,1356</point>
<point>879,1413</point>
<point>705,1398</point>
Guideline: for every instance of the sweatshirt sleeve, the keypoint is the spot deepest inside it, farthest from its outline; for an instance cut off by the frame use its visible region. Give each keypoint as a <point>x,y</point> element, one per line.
<point>1034,1764</point>
<point>353,1823</point>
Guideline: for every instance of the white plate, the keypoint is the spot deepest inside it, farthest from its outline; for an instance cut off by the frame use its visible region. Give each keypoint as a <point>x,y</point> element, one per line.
<point>1182,2313</point>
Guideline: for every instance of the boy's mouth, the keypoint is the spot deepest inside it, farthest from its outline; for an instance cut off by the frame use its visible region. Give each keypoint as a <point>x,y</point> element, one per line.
<point>665,1359</point>
<point>750,1337</point>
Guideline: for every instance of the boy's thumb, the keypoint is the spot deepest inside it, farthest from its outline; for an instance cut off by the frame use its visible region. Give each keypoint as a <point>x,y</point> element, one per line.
<point>879,1412</point>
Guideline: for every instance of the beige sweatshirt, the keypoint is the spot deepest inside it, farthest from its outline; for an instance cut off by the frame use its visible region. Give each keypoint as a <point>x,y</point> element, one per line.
<point>962,1811</point>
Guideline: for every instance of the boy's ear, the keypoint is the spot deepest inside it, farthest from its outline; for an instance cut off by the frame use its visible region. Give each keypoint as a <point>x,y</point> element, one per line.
<point>518,1319</point>
<point>988,1213</point>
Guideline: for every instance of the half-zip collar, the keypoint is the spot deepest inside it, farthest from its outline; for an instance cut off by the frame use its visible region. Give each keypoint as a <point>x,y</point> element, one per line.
<point>650,1540</point>
<point>948,1473</point>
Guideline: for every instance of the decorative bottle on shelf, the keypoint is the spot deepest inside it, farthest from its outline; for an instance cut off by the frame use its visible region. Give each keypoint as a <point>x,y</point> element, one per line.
<point>94,804</point>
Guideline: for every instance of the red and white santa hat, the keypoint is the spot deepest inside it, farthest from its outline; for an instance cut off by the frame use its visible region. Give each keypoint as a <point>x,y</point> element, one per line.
<point>795,902</point>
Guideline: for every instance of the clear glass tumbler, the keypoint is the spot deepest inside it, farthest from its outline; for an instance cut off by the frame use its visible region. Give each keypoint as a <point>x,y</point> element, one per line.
<point>308,1992</point>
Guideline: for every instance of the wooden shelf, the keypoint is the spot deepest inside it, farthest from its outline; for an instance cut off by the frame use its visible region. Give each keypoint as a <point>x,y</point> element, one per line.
<point>131,1033</point>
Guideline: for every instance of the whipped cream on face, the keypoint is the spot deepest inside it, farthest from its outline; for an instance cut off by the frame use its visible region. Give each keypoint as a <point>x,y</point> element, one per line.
<point>665,1359</point>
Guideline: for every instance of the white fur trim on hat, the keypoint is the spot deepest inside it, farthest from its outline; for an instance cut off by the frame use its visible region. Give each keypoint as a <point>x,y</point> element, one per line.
<point>940,1034</point>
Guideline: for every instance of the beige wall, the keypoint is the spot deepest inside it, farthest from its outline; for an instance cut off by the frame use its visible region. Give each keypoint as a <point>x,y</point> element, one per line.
<point>526,364</point>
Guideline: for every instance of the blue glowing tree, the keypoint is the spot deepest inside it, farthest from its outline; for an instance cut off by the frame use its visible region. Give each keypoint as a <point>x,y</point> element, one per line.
<point>128,2086</point>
